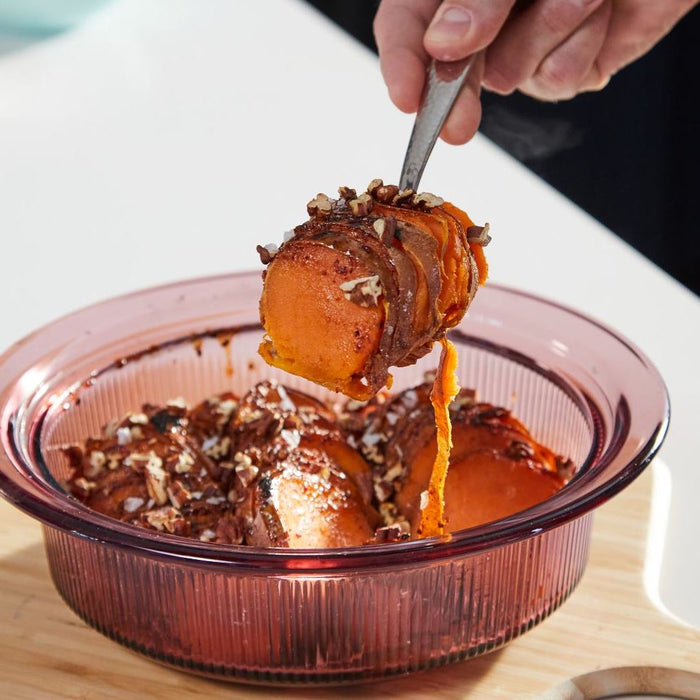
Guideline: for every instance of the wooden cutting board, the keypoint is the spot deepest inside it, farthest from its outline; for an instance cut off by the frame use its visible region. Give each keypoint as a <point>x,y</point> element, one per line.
<point>48,652</point>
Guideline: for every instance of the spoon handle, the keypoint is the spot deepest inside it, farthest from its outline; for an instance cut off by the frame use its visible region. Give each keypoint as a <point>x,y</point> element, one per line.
<point>444,82</point>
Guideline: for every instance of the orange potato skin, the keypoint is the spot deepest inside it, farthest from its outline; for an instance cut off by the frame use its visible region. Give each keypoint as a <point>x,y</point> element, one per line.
<point>476,249</point>
<point>445,388</point>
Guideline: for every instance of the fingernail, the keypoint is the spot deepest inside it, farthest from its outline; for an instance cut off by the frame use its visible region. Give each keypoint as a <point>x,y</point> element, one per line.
<point>451,25</point>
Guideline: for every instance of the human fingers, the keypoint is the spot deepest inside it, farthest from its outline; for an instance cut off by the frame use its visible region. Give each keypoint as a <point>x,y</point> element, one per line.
<point>529,36</point>
<point>567,70</point>
<point>399,27</point>
<point>463,27</point>
<point>636,26</point>
<point>465,115</point>
<point>595,80</point>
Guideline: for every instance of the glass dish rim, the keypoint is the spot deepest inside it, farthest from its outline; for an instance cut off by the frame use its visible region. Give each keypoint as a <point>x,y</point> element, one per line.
<point>555,511</point>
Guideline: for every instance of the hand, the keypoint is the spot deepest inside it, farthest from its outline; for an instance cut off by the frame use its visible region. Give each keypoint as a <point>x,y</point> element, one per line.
<point>548,49</point>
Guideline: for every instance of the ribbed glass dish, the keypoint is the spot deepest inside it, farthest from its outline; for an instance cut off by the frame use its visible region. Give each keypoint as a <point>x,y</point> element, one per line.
<point>318,616</point>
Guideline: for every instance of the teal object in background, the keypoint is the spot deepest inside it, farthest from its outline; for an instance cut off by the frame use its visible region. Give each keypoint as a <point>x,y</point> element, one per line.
<point>42,17</point>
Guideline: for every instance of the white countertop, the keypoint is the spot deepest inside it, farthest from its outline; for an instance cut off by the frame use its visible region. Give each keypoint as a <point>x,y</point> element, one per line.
<point>163,139</point>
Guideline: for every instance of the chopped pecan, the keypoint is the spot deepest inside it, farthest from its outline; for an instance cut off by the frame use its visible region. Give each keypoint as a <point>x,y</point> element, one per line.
<point>133,503</point>
<point>518,449</point>
<point>403,197</point>
<point>178,494</point>
<point>362,205</point>
<point>166,519</point>
<point>386,193</point>
<point>426,200</point>
<point>374,186</point>
<point>97,463</point>
<point>266,252</point>
<point>246,473</point>
<point>364,291</point>
<point>393,533</point>
<point>321,205</point>
<point>479,234</point>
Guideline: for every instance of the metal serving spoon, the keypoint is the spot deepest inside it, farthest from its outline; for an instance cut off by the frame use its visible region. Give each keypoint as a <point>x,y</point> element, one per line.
<point>444,83</point>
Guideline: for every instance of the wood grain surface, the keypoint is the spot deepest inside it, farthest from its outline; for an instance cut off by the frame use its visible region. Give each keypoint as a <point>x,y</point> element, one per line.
<point>48,652</point>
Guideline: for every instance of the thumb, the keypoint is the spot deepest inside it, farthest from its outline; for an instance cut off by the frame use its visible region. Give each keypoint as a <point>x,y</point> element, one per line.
<point>463,27</point>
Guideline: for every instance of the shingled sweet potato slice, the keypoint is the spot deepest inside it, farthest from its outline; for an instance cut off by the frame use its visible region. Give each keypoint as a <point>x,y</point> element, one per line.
<point>496,469</point>
<point>348,460</point>
<point>306,503</point>
<point>477,249</point>
<point>486,485</point>
<point>319,333</point>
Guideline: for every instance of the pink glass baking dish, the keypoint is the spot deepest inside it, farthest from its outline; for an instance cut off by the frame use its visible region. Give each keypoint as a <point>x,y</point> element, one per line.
<point>318,616</point>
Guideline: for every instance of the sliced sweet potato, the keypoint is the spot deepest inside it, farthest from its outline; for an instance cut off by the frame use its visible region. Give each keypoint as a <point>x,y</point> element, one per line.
<point>437,228</point>
<point>485,485</point>
<point>497,438</point>
<point>306,503</point>
<point>476,249</point>
<point>482,485</point>
<point>348,460</point>
<point>318,332</point>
